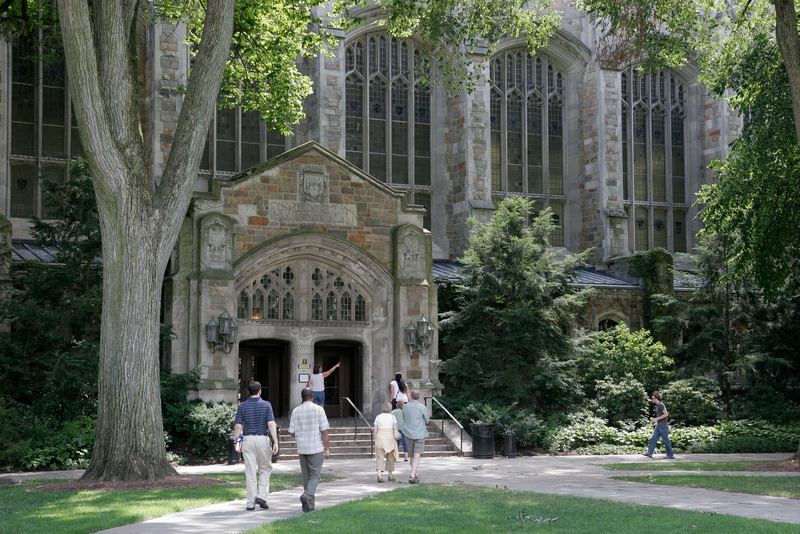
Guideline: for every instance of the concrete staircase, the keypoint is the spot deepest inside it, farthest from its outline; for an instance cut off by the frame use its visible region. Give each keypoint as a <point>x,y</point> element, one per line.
<point>350,442</point>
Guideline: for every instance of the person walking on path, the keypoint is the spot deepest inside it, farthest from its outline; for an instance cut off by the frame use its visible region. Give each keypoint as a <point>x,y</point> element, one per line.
<point>309,426</point>
<point>398,390</point>
<point>415,417</point>
<point>255,422</point>
<point>316,382</point>
<point>661,429</point>
<point>398,416</point>
<point>385,444</point>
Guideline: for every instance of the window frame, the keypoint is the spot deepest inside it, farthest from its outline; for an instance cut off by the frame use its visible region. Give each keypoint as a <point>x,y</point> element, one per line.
<point>666,90</point>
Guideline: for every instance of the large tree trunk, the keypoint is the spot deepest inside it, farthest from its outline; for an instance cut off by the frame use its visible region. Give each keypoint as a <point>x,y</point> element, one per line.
<point>129,441</point>
<point>139,222</point>
<point>789,45</point>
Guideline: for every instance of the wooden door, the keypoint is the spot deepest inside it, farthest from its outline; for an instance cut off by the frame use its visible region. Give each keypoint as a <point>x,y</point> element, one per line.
<point>268,364</point>
<point>342,382</point>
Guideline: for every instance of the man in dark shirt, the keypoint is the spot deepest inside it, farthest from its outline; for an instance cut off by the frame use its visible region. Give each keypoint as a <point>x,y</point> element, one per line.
<point>661,430</point>
<point>254,419</point>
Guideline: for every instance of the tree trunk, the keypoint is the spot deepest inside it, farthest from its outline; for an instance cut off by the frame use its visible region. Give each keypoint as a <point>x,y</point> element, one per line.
<point>129,441</point>
<point>789,45</point>
<point>139,222</point>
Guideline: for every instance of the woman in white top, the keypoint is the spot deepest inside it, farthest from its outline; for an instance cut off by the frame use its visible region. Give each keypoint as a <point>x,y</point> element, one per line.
<point>385,444</point>
<point>398,390</point>
<point>316,383</point>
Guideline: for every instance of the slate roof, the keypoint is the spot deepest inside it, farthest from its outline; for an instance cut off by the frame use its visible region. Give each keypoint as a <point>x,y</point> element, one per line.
<point>24,249</point>
<point>584,276</point>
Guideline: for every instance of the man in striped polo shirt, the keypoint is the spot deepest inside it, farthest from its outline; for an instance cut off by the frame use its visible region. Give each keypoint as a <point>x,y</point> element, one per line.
<point>254,419</point>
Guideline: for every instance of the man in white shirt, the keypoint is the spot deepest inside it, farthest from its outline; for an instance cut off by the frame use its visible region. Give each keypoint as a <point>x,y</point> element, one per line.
<point>309,426</point>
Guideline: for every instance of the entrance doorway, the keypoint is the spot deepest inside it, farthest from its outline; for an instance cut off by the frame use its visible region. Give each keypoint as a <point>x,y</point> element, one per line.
<point>266,361</point>
<point>346,380</point>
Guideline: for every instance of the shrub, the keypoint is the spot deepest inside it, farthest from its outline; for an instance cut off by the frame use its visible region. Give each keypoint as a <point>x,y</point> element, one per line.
<point>530,429</point>
<point>585,429</point>
<point>620,401</point>
<point>766,404</point>
<point>693,401</point>
<point>210,426</point>
<point>13,445</point>
<point>68,448</point>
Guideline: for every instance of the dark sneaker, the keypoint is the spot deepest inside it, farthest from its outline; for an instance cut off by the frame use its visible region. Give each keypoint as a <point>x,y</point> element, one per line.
<point>648,455</point>
<point>262,503</point>
<point>304,503</point>
<point>669,457</point>
<point>250,509</point>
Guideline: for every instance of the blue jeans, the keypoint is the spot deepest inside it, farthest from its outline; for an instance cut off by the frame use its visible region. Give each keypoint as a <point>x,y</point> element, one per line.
<point>402,442</point>
<point>663,433</point>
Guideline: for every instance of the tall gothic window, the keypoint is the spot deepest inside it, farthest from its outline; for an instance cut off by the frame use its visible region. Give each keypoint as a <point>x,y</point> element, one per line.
<point>654,159</point>
<point>388,118</point>
<point>527,131</point>
<point>274,296</point>
<point>238,140</point>
<point>44,134</point>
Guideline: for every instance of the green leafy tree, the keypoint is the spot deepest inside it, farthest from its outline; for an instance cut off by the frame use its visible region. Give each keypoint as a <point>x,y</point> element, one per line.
<point>48,355</point>
<point>618,353</point>
<point>510,339</point>
<point>249,48</point>
<point>713,322</point>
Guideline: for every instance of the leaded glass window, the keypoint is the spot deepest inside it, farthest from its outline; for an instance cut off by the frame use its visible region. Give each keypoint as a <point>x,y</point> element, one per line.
<point>238,140</point>
<point>343,299</point>
<point>526,124</point>
<point>273,295</point>
<point>270,296</point>
<point>653,110</point>
<point>388,110</point>
<point>44,134</point>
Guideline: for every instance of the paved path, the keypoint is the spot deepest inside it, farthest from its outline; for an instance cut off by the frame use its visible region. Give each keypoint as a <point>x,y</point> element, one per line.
<point>563,475</point>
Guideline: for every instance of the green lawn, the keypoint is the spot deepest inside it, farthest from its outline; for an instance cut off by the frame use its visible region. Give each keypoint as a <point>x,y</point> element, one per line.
<point>31,512</point>
<point>681,466</point>
<point>758,485</point>
<point>460,509</point>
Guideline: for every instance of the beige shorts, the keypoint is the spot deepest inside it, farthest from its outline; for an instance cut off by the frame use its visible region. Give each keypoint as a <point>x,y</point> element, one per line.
<point>415,446</point>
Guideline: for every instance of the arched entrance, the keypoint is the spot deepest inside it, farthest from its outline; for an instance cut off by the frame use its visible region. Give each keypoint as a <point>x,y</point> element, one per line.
<point>345,381</point>
<point>267,361</point>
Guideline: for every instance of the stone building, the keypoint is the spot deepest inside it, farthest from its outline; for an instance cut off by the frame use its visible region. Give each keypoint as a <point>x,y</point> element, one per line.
<point>322,245</point>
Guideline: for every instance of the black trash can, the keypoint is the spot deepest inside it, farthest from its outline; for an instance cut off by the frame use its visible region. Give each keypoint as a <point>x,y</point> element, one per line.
<point>511,444</point>
<point>233,456</point>
<point>483,440</point>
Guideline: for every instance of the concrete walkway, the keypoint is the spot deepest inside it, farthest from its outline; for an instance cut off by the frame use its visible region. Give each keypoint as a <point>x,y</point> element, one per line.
<point>563,475</point>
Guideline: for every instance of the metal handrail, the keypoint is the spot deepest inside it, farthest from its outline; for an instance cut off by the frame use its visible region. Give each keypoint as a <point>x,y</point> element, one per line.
<point>341,423</point>
<point>434,399</point>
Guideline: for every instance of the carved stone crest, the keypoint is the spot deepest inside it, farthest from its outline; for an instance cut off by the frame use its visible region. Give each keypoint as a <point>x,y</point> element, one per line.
<point>411,255</point>
<point>313,185</point>
<point>216,246</point>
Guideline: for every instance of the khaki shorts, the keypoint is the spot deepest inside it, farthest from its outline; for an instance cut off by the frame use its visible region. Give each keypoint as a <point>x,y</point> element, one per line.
<point>415,446</point>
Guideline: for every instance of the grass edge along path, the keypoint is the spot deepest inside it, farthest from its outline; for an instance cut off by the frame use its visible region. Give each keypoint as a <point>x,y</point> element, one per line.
<point>788,487</point>
<point>24,511</point>
<point>683,466</point>
<point>464,509</point>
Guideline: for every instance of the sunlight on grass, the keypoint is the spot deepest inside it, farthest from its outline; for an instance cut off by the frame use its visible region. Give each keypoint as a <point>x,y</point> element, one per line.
<point>32,512</point>
<point>434,508</point>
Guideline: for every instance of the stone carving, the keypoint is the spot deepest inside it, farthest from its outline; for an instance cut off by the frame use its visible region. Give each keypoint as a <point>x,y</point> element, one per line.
<point>216,246</point>
<point>412,255</point>
<point>313,186</point>
<point>304,333</point>
<point>282,212</point>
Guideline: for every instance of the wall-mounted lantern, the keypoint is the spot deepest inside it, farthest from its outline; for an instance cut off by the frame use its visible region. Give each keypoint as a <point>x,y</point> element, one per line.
<point>418,336</point>
<point>223,335</point>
